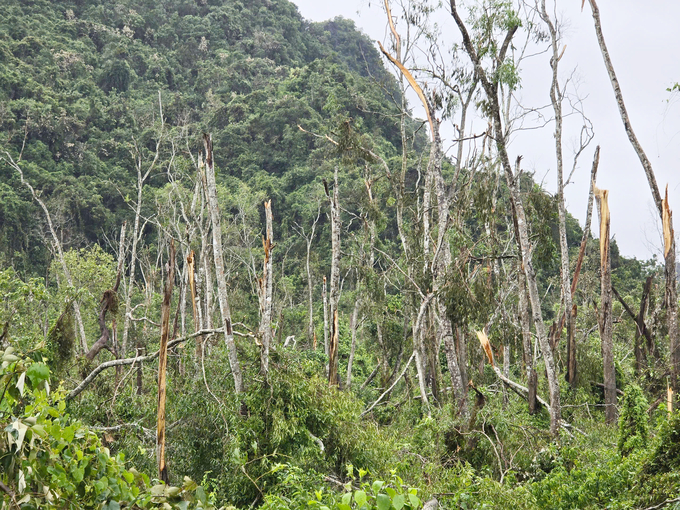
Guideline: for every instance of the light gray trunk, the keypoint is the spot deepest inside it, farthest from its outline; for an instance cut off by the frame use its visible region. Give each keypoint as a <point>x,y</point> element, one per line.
<point>353,327</point>
<point>335,281</point>
<point>491,90</point>
<point>219,264</point>
<point>266,287</point>
<point>669,249</point>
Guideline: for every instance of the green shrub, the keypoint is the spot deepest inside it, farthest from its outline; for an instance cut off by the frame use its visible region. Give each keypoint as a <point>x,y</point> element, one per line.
<point>633,422</point>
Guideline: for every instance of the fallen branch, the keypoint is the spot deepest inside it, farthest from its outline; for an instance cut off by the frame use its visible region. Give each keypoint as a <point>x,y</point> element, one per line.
<point>129,361</point>
<point>518,388</point>
<point>390,388</point>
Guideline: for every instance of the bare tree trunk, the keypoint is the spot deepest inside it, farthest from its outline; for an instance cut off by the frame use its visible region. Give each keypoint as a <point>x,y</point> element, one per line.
<point>571,314</point>
<point>219,264</point>
<point>491,90</point>
<point>191,263</point>
<point>335,280</point>
<point>353,326</point>
<point>266,287</point>
<point>162,366</point>
<point>606,320</point>
<point>58,249</point>
<point>326,327</point>
<point>661,204</point>
<point>556,97</point>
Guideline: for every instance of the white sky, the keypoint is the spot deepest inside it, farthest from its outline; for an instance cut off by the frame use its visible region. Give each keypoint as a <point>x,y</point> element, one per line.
<point>644,43</point>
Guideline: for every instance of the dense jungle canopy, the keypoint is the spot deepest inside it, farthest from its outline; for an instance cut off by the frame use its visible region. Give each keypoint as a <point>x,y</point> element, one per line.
<point>237,271</point>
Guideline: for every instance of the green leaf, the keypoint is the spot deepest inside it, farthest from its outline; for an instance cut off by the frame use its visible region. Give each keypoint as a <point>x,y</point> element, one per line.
<point>111,505</point>
<point>398,502</point>
<point>37,373</point>
<point>415,501</point>
<point>377,485</point>
<point>183,505</point>
<point>200,494</point>
<point>390,492</point>
<point>360,497</point>
<point>383,502</point>
<point>346,498</point>
<point>344,506</point>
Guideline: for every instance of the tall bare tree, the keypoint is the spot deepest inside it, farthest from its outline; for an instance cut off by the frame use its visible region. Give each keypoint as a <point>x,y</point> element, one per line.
<point>225,311</point>
<point>605,319</point>
<point>491,85</point>
<point>661,204</point>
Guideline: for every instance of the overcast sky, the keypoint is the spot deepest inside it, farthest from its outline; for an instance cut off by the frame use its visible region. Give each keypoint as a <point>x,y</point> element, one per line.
<point>643,41</point>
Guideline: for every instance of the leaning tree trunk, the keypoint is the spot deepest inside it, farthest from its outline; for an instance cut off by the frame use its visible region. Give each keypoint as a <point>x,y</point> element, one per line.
<point>57,247</point>
<point>219,264</point>
<point>606,322</point>
<point>491,90</point>
<point>661,204</point>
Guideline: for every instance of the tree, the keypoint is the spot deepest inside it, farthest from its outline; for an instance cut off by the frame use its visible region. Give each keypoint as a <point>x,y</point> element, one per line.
<point>661,205</point>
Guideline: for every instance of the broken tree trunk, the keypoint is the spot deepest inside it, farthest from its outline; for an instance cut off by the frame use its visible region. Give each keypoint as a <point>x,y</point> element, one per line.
<point>266,288</point>
<point>661,204</point>
<point>606,322</point>
<point>491,86</point>
<point>219,263</point>
<point>191,267</point>
<point>163,365</point>
<point>571,330</point>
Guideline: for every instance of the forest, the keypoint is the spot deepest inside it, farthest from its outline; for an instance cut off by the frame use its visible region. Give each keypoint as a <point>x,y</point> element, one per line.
<point>239,270</point>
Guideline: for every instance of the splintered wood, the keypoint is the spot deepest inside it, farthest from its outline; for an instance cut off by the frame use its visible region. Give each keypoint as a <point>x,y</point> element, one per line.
<point>486,345</point>
<point>666,218</point>
<point>602,196</point>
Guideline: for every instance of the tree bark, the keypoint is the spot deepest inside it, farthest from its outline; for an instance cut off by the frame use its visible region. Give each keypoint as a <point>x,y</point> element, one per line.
<point>333,200</point>
<point>606,320</point>
<point>58,249</point>
<point>491,90</point>
<point>661,204</point>
<point>266,287</point>
<point>219,263</point>
<point>326,327</point>
<point>163,365</point>
<point>353,326</point>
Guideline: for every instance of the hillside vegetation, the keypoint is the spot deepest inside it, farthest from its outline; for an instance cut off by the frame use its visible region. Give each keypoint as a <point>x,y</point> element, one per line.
<point>237,272</point>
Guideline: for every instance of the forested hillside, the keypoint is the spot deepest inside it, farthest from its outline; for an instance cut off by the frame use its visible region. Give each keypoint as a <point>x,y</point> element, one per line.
<point>237,271</point>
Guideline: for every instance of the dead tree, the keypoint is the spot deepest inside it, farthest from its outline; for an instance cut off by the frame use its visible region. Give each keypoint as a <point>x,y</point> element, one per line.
<point>333,200</point>
<point>441,256</point>
<point>605,319</point>
<point>661,204</point>
<point>56,244</point>
<point>213,206</point>
<point>265,288</point>
<point>491,88</point>
<point>641,328</point>
<point>163,365</point>
<point>109,303</point>
<point>139,224</point>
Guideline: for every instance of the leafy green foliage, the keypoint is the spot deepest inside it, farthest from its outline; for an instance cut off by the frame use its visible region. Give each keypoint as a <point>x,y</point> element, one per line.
<point>633,425</point>
<point>51,460</point>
